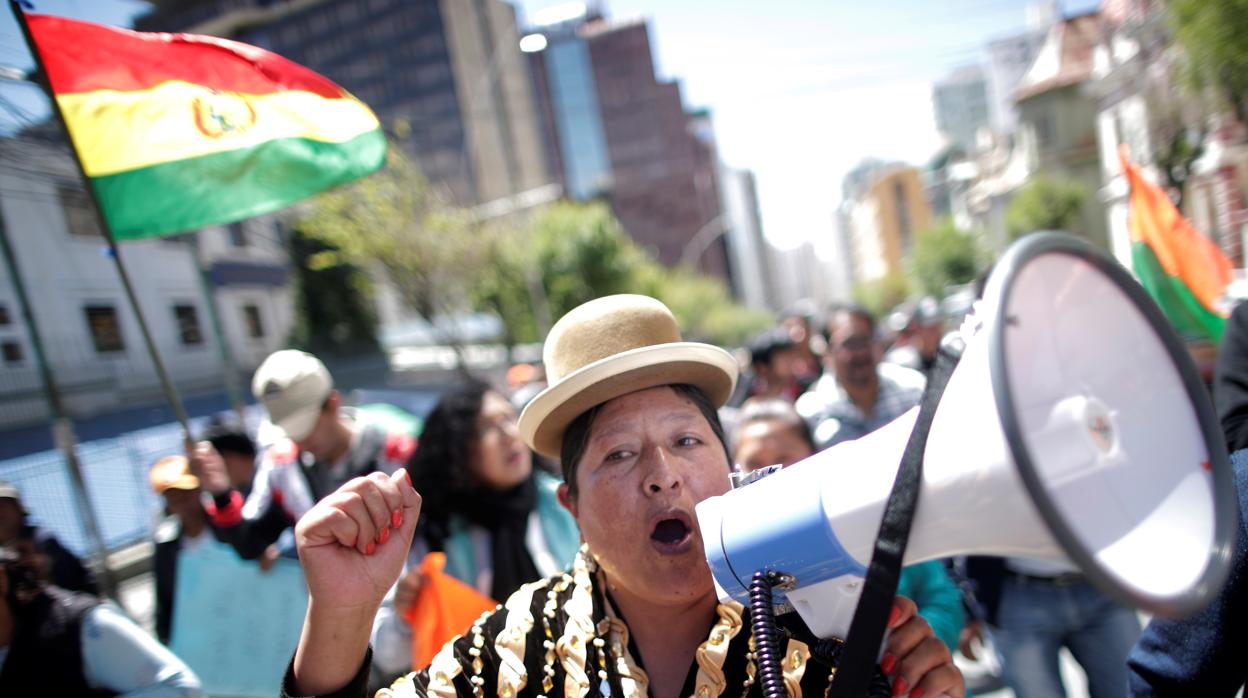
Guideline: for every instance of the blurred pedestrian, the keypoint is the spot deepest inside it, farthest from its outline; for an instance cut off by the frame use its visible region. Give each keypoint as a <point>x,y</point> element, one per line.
<point>237,450</point>
<point>495,516</point>
<point>775,361</point>
<point>55,642</point>
<point>922,328</point>
<point>60,567</point>
<point>524,381</point>
<point>185,528</point>
<point>1230,383</point>
<point>770,432</point>
<point>325,445</point>
<point>858,394</point>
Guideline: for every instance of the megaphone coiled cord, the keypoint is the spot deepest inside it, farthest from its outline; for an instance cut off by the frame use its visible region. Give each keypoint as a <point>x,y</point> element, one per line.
<point>766,642</point>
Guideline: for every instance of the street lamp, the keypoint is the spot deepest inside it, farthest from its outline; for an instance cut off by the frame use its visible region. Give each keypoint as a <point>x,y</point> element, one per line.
<point>701,240</point>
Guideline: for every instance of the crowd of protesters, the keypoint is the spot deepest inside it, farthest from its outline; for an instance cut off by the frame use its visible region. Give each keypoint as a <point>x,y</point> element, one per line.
<point>492,517</point>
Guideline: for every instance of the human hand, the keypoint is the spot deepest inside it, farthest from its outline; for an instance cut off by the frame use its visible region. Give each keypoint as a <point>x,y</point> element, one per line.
<point>972,635</point>
<point>268,558</point>
<point>207,464</point>
<point>407,591</point>
<point>918,662</point>
<point>353,543</point>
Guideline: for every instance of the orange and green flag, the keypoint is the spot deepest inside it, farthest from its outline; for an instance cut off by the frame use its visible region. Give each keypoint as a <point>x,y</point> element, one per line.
<point>178,131</point>
<point>1184,271</point>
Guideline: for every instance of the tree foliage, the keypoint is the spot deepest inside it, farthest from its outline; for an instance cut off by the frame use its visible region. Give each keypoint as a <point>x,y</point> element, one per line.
<point>1046,203</point>
<point>334,312</point>
<point>1212,33</point>
<point>568,253</point>
<point>395,221</point>
<point>945,256</point>
<point>882,295</point>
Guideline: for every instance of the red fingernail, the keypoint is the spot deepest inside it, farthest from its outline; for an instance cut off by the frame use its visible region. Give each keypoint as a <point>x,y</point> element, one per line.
<point>899,687</point>
<point>894,616</point>
<point>888,663</point>
<point>916,693</point>
<point>372,548</point>
<point>408,475</point>
<point>396,518</point>
<point>383,536</point>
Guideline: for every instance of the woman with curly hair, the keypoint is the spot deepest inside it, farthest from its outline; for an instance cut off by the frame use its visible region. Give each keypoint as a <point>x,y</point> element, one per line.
<point>495,516</point>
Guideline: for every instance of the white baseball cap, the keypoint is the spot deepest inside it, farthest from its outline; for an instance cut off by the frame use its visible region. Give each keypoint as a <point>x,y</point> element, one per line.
<point>293,386</point>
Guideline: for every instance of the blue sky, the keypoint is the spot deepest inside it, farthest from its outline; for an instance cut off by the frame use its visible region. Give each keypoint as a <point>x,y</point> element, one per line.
<point>800,90</point>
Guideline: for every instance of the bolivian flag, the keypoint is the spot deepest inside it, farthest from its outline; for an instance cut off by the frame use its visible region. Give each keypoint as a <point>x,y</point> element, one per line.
<point>178,131</point>
<point>1184,272</point>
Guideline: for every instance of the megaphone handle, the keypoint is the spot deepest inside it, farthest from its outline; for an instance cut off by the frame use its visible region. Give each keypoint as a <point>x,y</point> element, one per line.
<point>865,639</point>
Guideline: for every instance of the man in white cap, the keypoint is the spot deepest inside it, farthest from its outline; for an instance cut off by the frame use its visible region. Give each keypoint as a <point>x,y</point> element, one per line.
<point>324,446</point>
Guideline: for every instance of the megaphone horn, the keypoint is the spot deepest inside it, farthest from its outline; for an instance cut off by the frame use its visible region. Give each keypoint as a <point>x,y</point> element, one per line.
<point>1075,427</point>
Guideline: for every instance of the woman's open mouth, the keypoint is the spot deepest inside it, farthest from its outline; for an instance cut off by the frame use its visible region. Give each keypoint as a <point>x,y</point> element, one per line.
<point>671,533</point>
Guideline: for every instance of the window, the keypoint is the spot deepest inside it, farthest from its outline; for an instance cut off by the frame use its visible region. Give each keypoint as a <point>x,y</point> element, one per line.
<point>79,214</point>
<point>4,315</point>
<point>188,324</point>
<point>105,328</point>
<point>251,319</point>
<point>238,236</point>
<point>12,352</point>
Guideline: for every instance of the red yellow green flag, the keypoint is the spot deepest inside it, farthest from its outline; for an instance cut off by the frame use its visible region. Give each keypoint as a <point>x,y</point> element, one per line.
<point>178,131</point>
<point>1184,271</point>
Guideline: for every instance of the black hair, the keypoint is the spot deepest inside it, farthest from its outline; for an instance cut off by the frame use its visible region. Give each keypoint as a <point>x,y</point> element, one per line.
<point>439,467</point>
<point>576,435</point>
<point>765,345</point>
<point>228,436</point>
<point>852,310</point>
<point>760,410</point>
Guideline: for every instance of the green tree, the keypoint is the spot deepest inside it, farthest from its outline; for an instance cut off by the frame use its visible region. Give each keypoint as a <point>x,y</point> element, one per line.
<point>1212,33</point>
<point>703,306</point>
<point>334,312</point>
<point>583,253</point>
<point>579,251</point>
<point>883,294</point>
<point>945,256</point>
<point>393,223</point>
<point>1046,203</point>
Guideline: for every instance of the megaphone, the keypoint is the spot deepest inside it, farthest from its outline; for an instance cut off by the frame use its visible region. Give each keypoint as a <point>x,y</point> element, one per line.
<point>1074,427</point>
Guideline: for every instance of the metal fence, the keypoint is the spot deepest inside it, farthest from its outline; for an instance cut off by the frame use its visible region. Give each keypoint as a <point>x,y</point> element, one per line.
<point>115,470</point>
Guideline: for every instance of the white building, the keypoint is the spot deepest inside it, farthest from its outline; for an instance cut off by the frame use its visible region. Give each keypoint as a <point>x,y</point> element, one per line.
<point>749,257</point>
<point>1010,57</point>
<point>92,339</point>
<point>961,106</point>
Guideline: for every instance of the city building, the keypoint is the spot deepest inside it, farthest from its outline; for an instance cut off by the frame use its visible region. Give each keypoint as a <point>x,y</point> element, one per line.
<point>446,77</point>
<point>615,131</point>
<point>1008,60</point>
<point>885,220</point>
<point>806,280</point>
<point>1140,106</point>
<point>960,103</point>
<point>91,336</point>
<point>1057,116</point>
<point>750,259</point>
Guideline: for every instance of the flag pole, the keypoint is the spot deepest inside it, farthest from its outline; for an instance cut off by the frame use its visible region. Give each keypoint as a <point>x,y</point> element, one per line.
<point>228,366</point>
<point>62,428</point>
<point>41,76</point>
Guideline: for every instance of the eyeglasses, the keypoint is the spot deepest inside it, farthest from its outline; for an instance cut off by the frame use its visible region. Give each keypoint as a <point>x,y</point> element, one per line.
<point>854,344</point>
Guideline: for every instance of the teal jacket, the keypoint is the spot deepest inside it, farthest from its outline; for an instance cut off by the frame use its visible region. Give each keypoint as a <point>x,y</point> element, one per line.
<point>553,537</point>
<point>938,598</point>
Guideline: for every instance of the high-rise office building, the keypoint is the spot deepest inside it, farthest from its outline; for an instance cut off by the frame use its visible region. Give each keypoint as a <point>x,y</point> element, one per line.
<point>446,77</point>
<point>615,131</point>
<point>961,105</point>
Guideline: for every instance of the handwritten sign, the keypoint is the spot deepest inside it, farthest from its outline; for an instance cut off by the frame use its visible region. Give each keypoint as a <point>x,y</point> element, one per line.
<point>235,625</point>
